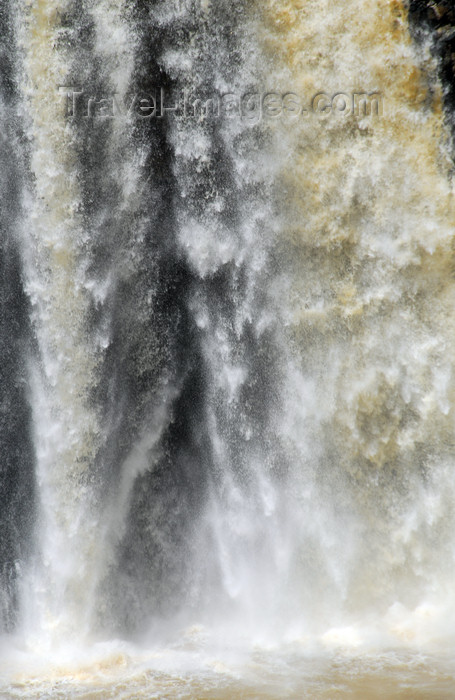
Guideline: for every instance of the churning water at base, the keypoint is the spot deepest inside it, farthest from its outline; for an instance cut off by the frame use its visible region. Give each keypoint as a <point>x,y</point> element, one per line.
<point>228,351</point>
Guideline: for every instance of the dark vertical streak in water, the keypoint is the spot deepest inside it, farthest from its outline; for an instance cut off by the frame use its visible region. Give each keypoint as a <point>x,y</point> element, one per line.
<point>16,452</point>
<point>154,348</point>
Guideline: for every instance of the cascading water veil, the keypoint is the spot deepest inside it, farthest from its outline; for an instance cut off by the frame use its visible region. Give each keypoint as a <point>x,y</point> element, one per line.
<point>227,343</point>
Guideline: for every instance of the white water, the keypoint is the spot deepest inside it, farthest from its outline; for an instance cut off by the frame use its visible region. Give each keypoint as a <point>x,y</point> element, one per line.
<point>241,379</point>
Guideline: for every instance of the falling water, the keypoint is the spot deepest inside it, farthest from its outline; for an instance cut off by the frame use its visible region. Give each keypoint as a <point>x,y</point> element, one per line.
<point>227,349</point>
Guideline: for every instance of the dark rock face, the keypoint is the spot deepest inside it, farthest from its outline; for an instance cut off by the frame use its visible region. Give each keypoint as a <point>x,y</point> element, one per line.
<point>438,18</point>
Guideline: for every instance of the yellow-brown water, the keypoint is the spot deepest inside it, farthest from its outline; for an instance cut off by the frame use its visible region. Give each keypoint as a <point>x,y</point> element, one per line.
<point>369,224</point>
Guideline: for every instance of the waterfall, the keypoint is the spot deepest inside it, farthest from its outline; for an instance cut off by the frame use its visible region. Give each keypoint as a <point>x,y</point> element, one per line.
<point>227,334</point>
